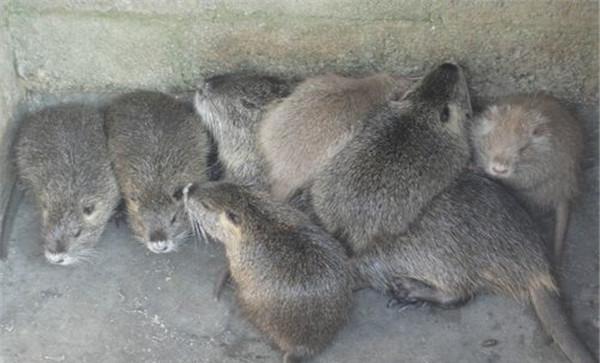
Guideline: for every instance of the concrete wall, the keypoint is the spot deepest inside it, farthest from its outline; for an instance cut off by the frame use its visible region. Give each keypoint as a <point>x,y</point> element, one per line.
<point>11,94</point>
<point>509,46</point>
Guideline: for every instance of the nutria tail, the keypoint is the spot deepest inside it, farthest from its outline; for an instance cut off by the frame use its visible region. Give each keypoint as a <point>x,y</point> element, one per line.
<point>7,216</point>
<point>555,322</point>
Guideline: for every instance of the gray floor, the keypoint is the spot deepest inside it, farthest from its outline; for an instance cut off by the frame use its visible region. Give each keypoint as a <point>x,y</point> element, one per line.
<point>134,306</point>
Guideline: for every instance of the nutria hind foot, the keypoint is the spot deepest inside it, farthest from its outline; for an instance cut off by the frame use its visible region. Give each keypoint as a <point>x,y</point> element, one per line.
<point>407,291</point>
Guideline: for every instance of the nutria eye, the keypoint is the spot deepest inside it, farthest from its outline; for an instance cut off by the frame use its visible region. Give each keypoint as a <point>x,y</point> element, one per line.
<point>174,219</point>
<point>233,217</point>
<point>178,194</point>
<point>78,233</point>
<point>538,131</point>
<point>205,205</point>
<point>523,148</point>
<point>445,114</point>
<point>248,104</point>
<point>89,210</point>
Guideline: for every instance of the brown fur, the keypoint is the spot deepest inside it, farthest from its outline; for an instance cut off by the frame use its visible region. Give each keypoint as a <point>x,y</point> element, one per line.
<point>300,133</point>
<point>404,154</point>
<point>63,162</point>
<point>293,280</point>
<point>537,146</point>
<point>474,237</point>
<point>157,145</point>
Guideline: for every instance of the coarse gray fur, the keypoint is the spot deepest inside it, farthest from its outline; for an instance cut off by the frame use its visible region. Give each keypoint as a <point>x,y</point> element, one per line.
<point>534,145</point>
<point>292,279</point>
<point>157,145</point>
<point>62,161</point>
<point>231,106</point>
<point>405,153</point>
<point>473,237</point>
<point>303,131</point>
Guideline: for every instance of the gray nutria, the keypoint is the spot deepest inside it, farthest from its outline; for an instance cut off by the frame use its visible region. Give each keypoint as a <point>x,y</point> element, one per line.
<point>157,146</point>
<point>63,162</point>
<point>303,131</point>
<point>404,154</point>
<point>231,107</point>
<point>292,279</point>
<point>533,145</point>
<point>474,237</point>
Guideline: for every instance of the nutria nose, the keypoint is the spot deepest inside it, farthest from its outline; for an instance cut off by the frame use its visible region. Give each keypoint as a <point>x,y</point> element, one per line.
<point>59,247</point>
<point>158,235</point>
<point>449,67</point>
<point>499,169</point>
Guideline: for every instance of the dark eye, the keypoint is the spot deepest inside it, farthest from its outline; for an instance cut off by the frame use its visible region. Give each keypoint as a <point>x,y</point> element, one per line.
<point>233,217</point>
<point>445,114</point>
<point>174,219</point>
<point>88,210</point>
<point>178,194</point>
<point>205,205</point>
<point>523,148</point>
<point>78,233</point>
<point>538,131</point>
<point>248,104</point>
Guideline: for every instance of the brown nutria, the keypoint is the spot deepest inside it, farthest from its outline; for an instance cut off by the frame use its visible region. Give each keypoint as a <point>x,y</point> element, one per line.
<point>404,154</point>
<point>157,145</point>
<point>231,106</point>
<point>533,145</point>
<point>300,133</point>
<point>471,238</point>
<point>62,161</point>
<point>292,279</point>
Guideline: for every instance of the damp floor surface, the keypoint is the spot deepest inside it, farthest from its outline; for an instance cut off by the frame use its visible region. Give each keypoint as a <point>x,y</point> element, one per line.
<point>130,305</point>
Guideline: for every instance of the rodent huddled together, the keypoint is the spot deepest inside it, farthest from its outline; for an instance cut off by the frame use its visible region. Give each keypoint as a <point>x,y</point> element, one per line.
<point>330,184</point>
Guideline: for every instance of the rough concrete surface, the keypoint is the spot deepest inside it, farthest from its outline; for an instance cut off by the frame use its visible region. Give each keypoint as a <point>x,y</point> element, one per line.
<point>121,44</point>
<point>133,306</point>
<point>11,93</point>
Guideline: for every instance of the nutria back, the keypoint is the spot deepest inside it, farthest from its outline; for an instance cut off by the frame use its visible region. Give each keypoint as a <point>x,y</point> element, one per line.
<point>157,145</point>
<point>404,154</point>
<point>292,278</point>
<point>304,130</point>
<point>63,162</point>
<point>473,237</point>
<point>231,106</point>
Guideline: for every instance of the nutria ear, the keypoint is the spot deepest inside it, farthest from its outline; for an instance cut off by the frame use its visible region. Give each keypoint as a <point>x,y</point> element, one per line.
<point>233,217</point>
<point>89,209</point>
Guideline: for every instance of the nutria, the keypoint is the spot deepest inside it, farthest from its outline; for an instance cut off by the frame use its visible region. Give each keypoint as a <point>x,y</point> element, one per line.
<point>62,160</point>
<point>231,106</point>
<point>157,146</point>
<point>534,145</point>
<point>303,131</point>
<point>471,238</point>
<point>404,154</point>
<point>292,279</point>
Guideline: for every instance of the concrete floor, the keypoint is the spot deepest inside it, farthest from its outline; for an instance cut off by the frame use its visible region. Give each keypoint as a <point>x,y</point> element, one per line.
<point>133,306</point>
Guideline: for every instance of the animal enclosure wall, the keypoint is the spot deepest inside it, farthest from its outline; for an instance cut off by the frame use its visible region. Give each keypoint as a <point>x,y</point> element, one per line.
<point>54,50</point>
